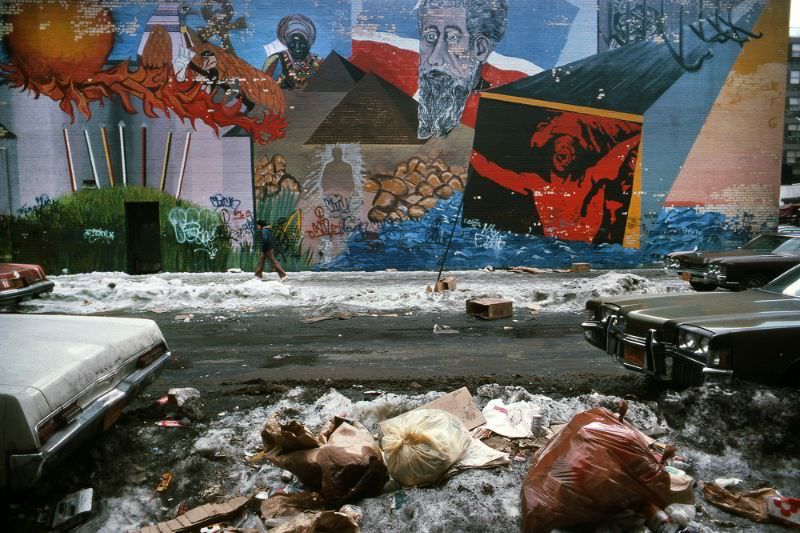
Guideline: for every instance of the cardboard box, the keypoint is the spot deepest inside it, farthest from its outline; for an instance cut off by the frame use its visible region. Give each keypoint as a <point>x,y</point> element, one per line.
<point>460,404</point>
<point>445,284</point>
<point>490,308</point>
<point>581,267</point>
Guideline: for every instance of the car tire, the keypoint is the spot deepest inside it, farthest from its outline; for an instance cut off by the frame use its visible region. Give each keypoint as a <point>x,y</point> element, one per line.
<point>752,281</point>
<point>701,286</point>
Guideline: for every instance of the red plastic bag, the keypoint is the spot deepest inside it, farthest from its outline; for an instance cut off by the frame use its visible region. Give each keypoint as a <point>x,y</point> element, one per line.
<point>594,468</point>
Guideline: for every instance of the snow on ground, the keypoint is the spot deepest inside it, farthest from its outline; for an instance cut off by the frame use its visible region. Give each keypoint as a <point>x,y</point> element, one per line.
<point>376,292</point>
<point>209,463</point>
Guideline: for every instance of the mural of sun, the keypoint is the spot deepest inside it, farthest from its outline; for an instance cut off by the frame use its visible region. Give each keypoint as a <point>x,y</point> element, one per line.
<point>50,42</point>
<point>59,49</point>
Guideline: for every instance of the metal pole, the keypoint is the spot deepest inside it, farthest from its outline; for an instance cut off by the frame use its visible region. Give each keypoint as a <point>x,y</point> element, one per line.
<point>91,158</point>
<point>121,128</point>
<point>107,152</point>
<point>70,164</point>
<point>167,148</point>
<point>183,163</point>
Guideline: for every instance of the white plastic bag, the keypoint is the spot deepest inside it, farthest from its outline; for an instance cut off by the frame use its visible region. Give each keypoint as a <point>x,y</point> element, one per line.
<point>419,446</point>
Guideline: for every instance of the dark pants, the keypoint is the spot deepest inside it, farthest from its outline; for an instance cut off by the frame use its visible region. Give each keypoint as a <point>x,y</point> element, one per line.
<point>266,253</point>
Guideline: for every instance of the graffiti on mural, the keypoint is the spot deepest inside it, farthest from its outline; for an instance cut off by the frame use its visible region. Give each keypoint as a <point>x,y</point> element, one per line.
<point>454,44</point>
<point>337,205</point>
<point>94,235</point>
<point>487,236</point>
<point>413,189</point>
<point>237,223</point>
<point>575,171</point>
<point>177,71</point>
<point>196,227</point>
<point>289,56</point>
<point>39,203</point>
<point>323,226</point>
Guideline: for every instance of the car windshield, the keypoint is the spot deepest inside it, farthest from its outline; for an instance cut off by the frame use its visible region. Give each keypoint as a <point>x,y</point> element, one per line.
<point>787,284</point>
<point>765,243</point>
<point>789,246</point>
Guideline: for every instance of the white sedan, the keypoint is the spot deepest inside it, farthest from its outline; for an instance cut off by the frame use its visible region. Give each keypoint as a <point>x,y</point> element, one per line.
<point>65,379</point>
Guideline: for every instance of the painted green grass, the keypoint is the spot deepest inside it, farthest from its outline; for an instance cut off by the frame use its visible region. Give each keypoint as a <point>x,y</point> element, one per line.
<point>279,211</point>
<point>53,234</point>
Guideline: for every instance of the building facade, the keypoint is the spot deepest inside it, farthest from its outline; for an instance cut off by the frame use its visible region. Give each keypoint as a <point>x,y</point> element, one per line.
<point>375,134</point>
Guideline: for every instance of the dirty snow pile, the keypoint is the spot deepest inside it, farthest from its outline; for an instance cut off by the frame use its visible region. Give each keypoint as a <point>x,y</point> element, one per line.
<point>209,461</point>
<point>338,291</point>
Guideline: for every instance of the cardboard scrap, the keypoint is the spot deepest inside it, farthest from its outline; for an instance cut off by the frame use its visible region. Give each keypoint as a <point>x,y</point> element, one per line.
<point>290,504</point>
<point>460,404</point>
<point>195,518</point>
<point>342,521</point>
<point>533,270</point>
<point>345,315</point>
<point>751,505</point>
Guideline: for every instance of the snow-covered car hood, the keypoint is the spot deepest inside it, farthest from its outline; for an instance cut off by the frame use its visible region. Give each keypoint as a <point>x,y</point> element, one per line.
<point>63,355</point>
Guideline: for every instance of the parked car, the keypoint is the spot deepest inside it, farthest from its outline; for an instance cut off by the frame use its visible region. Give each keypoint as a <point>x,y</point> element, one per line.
<point>750,271</point>
<point>753,335</point>
<point>19,281</point>
<point>65,379</point>
<point>691,265</point>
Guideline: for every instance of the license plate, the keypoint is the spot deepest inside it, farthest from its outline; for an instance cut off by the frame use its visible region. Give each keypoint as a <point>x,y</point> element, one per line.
<point>633,355</point>
<point>112,415</point>
<point>686,276</point>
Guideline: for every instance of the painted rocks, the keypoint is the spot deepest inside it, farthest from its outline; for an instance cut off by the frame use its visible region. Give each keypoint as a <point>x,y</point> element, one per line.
<point>413,189</point>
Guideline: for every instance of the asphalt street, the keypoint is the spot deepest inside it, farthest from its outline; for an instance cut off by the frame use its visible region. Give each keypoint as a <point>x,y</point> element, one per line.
<point>210,349</point>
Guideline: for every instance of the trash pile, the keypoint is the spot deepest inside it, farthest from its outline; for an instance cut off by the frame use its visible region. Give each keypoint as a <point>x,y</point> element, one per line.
<point>591,462</point>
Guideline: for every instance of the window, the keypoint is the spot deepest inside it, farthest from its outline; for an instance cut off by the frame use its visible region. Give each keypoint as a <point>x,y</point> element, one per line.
<point>793,127</point>
<point>794,77</point>
<point>794,103</point>
<point>795,49</point>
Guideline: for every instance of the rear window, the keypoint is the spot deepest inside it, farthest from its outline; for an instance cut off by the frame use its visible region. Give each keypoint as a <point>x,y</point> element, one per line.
<point>787,284</point>
<point>765,243</point>
<point>789,246</point>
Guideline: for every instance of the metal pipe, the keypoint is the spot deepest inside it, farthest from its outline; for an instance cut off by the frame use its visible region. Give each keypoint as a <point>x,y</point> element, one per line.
<point>107,151</point>
<point>183,163</point>
<point>144,156</point>
<point>70,164</point>
<point>167,149</point>
<point>121,128</point>
<point>91,158</point>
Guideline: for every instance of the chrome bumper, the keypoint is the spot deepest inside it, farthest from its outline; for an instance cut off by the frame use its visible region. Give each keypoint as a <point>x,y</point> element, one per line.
<point>10,296</point>
<point>27,468</point>
<point>659,359</point>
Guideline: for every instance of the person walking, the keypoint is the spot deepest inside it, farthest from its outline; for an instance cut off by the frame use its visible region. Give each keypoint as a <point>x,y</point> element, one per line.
<point>265,232</point>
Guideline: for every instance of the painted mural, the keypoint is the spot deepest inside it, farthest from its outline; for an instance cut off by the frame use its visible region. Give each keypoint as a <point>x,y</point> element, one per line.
<point>150,135</point>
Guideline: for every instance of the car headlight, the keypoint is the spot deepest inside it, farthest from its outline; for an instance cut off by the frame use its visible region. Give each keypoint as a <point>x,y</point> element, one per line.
<point>694,341</point>
<point>606,311</point>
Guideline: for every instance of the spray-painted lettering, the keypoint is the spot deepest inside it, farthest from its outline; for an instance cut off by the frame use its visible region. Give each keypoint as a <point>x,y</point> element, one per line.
<point>197,227</point>
<point>98,235</point>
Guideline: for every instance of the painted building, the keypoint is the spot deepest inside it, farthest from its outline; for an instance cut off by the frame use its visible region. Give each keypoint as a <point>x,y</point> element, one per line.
<point>375,134</point>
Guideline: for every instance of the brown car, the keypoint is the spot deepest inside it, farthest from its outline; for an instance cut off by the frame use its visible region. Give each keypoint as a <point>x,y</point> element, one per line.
<point>752,335</point>
<point>20,281</point>
<point>752,265</point>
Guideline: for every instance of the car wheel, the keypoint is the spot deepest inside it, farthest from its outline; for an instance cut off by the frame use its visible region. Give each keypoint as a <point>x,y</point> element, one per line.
<point>701,286</point>
<point>752,281</point>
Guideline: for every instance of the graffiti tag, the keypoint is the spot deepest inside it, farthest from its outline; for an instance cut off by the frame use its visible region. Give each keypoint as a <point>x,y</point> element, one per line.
<point>325,227</point>
<point>98,235</point>
<point>197,227</point>
<point>239,224</point>
<point>489,238</point>
<point>40,202</point>
<point>336,204</point>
